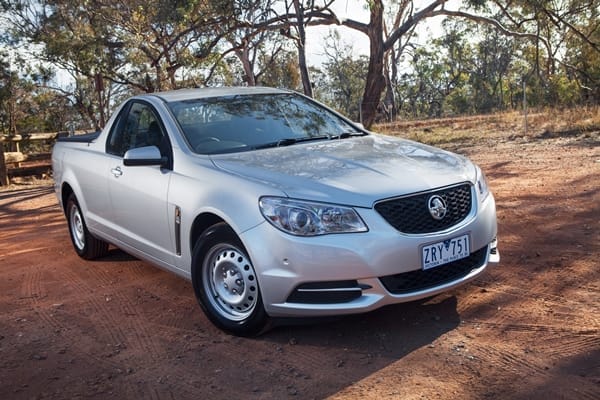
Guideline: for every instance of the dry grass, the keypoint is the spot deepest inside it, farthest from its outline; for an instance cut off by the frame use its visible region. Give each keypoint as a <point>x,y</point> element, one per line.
<point>581,122</point>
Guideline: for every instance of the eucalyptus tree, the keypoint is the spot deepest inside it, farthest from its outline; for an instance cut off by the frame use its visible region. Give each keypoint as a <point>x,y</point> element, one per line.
<point>342,75</point>
<point>144,45</point>
<point>543,23</point>
<point>67,37</point>
<point>8,83</point>
<point>148,45</point>
<point>467,70</point>
<point>582,63</point>
<point>262,51</point>
<point>550,33</point>
<point>290,18</point>
<point>6,116</point>
<point>280,70</point>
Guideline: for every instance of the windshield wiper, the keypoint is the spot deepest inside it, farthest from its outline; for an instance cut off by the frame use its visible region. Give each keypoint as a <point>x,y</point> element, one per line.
<point>346,135</point>
<point>289,142</point>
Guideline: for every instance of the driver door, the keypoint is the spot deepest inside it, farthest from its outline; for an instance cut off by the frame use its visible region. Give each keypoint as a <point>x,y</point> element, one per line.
<point>138,194</point>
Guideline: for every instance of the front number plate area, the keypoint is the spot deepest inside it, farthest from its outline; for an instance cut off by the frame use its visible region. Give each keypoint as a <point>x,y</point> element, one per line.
<point>440,253</point>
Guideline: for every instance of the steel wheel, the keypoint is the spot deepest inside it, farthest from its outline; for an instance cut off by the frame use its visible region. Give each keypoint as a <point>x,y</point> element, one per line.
<point>230,281</point>
<point>86,245</point>
<point>226,283</point>
<point>77,227</point>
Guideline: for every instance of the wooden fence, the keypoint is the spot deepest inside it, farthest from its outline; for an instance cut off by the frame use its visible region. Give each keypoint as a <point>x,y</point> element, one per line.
<point>15,162</point>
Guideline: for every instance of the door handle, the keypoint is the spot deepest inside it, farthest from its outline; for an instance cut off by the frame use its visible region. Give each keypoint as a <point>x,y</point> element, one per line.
<point>117,172</point>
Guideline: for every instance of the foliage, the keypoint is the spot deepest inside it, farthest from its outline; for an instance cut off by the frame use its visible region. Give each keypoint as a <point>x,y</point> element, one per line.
<point>342,81</point>
<point>8,81</point>
<point>281,70</point>
<point>474,68</point>
<point>494,54</point>
<point>26,105</point>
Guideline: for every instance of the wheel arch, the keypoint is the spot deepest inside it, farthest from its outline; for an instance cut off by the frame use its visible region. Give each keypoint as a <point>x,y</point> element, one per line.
<point>65,192</point>
<point>201,223</point>
<point>70,185</point>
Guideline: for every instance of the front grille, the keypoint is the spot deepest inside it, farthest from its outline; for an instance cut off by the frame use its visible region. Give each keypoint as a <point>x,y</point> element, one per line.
<point>411,214</point>
<point>414,281</point>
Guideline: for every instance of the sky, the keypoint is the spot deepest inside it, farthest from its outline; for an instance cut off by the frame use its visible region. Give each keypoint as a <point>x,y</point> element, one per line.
<point>315,35</point>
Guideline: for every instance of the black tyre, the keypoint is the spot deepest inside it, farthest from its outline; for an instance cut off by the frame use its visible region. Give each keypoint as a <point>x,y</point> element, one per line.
<point>85,244</point>
<point>225,283</point>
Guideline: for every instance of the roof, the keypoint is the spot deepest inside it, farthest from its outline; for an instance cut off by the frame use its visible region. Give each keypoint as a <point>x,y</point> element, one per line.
<point>191,94</point>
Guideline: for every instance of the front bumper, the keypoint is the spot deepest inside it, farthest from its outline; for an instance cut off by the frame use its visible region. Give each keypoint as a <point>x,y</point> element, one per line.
<point>347,271</point>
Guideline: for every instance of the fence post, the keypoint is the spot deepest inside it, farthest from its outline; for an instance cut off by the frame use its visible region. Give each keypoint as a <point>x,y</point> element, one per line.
<point>3,170</point>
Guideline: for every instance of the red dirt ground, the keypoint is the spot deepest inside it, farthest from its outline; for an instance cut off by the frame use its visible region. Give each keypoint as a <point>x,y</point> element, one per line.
<point>121,328</point>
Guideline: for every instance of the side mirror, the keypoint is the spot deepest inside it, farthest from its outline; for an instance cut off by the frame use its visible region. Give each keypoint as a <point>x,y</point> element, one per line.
<point>148,155</point>
<point>360,125</point>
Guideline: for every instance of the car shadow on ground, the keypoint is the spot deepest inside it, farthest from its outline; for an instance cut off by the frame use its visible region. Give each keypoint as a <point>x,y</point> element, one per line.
<point>331,354</point>
<point>115,255</point>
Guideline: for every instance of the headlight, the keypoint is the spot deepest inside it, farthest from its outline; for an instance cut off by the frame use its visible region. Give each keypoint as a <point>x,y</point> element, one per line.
<point>482,184</point>
<point>304,218</point>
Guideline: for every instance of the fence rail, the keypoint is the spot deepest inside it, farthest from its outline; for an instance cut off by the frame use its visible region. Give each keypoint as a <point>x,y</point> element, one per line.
<point>31,136</point>
<point>15,162</point>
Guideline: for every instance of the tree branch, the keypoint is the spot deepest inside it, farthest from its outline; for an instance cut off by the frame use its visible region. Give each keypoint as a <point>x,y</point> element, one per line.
<point>412,21</point>
<point>496,24</point>
<point>577,32</point>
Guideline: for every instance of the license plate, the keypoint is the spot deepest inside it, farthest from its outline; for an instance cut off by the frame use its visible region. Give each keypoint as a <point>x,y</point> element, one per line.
<point>440,253</point>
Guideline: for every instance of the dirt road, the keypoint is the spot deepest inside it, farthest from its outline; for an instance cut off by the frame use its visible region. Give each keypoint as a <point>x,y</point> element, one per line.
<point>120,328</point>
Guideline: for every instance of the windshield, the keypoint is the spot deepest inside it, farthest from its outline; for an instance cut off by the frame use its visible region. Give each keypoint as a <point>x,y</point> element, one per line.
<point>247,122</point>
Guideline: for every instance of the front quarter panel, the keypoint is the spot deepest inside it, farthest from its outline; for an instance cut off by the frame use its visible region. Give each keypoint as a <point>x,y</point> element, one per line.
<point>198,187</point>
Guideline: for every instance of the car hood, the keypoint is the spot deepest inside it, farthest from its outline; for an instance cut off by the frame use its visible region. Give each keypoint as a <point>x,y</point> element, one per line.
<point>354,171</point>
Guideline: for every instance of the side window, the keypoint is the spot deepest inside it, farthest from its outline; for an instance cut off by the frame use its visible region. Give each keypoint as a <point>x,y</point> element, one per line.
<point>137,127</point>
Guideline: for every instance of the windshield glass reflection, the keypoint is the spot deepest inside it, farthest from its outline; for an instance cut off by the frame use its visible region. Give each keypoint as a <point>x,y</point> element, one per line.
<point>248,122</point>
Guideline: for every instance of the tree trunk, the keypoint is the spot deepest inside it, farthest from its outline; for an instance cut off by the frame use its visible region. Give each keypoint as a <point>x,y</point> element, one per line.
<point>159,78</point>
<point>243,55</point>
<point>99,85</point>
<point>375,81</point>
<point>389,99</point>
<point>306,84</point>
